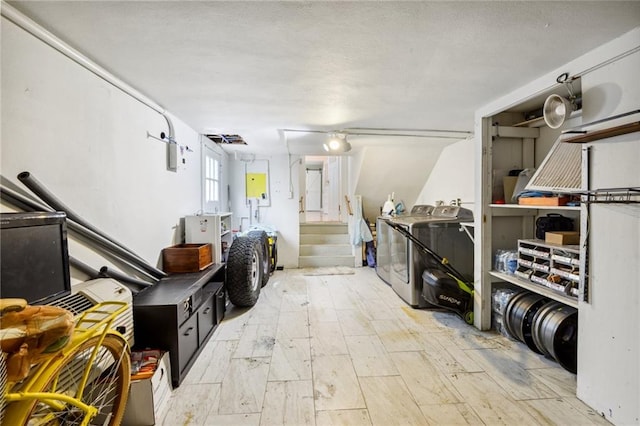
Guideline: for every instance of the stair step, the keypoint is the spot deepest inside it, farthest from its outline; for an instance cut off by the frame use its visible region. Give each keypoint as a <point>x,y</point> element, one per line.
<point>324,228</point>
<point>325,244</point>
<point>325,249</point>
<point>324,239</point>
<point>318,261</point>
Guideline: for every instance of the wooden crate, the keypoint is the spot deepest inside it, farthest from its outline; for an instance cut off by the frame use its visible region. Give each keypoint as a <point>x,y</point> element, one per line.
<point>187,257</point>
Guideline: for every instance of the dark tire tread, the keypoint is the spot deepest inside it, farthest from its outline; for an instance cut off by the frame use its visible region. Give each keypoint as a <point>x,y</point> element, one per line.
<point>263,240</point>
<point>240,271</point>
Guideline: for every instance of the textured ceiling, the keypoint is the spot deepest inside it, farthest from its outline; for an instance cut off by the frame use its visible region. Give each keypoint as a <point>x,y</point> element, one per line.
<point>253,68</point>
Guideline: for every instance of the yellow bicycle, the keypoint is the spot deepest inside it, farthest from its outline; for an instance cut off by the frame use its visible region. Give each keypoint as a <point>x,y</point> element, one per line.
<point>84,383</point>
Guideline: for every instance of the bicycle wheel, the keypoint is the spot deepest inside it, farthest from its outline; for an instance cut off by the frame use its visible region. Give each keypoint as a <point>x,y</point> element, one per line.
<point>107,387</point>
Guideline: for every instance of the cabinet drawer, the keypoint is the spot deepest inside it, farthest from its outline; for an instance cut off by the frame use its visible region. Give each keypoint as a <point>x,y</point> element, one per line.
<point>206,317</point>
<point>187,341</point>
<point>221,303</point>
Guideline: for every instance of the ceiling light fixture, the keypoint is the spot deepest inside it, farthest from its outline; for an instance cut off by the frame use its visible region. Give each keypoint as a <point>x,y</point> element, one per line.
<point>556,108</point>
<point>336,142</point>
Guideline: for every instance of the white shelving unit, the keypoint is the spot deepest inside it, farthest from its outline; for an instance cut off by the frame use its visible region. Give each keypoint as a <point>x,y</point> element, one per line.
<point>548,269</point>
<point>214,229</point>
<point>524,217</point>
<point>510,143</point>
<point>226,235</point>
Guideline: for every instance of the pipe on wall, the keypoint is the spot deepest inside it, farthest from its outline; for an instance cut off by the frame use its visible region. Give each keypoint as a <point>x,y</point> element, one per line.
<point>33,28</point>
<point>105,272</point>
<point>95,240</point>
<point>84,268</point>
<point>45,195</point>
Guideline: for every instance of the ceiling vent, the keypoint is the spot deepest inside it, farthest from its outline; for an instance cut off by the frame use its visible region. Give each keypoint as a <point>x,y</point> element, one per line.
<point>227,139</point>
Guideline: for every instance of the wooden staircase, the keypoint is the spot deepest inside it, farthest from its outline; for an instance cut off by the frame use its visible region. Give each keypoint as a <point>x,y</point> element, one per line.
<point>325,244</point>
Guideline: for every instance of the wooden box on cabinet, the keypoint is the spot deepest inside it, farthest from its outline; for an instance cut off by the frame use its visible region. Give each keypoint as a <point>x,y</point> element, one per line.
<point>187,258</point>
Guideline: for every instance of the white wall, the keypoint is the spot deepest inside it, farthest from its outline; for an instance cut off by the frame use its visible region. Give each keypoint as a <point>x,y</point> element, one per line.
<point>354,166</point>
<point>87,142</point>
<point>282,214</point>
<point>609,326</point>
<point>452,177</point>
<point>399,169</point>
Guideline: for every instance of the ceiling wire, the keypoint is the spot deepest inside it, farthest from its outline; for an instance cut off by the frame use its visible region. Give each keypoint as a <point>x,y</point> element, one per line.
<point>373,131</point>
<point>391,129</point>
<point>403,135</point>
<point>607,62</point>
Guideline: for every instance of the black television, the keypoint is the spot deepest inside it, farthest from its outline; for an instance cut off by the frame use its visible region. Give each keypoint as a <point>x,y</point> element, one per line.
<point>34,256</point>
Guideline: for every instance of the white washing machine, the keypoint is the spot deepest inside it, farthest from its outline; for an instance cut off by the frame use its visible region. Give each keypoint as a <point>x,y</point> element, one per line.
<point>386,237</point>
<point>403,263</point>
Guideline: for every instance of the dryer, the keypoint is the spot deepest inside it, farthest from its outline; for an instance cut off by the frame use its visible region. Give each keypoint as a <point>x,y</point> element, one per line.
<point>402,263</point>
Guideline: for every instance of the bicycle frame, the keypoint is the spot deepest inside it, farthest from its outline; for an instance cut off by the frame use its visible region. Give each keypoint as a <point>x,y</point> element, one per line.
<point>56,401</point>
<point>96,321</point>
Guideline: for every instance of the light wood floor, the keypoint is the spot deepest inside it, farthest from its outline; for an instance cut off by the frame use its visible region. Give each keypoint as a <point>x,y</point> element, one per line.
<point>345,350</point>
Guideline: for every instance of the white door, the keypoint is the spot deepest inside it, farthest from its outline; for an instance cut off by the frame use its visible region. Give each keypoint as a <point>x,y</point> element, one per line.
<point>313,195</point>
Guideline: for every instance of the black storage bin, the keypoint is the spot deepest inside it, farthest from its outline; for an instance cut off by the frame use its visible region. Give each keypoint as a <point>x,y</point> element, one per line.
<point>552,222</point>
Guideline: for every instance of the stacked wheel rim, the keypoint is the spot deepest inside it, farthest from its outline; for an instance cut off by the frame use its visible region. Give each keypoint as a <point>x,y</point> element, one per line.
<point>519,314</point>
<point>555,333</point>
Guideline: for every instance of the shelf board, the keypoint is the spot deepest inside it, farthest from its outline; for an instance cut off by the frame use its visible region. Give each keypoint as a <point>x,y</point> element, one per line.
<point>534,122</point>
<point>605,133</point>
<point>533,207</point>
<point>536,288</point>
<point>574,248</point>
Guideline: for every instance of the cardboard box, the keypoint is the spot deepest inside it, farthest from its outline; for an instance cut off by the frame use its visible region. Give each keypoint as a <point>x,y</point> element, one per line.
<point>148,397</point>
<point>562,237</point>
<point>543,201</point>
<point>187,257</point>
<point>509,184</point>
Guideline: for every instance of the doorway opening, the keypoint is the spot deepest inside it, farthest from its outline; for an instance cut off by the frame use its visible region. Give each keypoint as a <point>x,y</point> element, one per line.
<point>324,189</point>
<point>313,191</point>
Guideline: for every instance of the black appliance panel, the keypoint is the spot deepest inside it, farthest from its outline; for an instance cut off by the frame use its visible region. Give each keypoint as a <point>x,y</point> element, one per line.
<point>34,257</point>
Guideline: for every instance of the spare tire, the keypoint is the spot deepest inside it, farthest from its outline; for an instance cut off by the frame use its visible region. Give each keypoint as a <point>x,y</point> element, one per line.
<point>263,241</point>
<point>244,271</point>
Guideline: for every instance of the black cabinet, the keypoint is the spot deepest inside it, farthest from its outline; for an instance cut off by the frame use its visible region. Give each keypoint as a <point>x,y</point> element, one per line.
<point>206,317</point>
<point>179,314</point>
